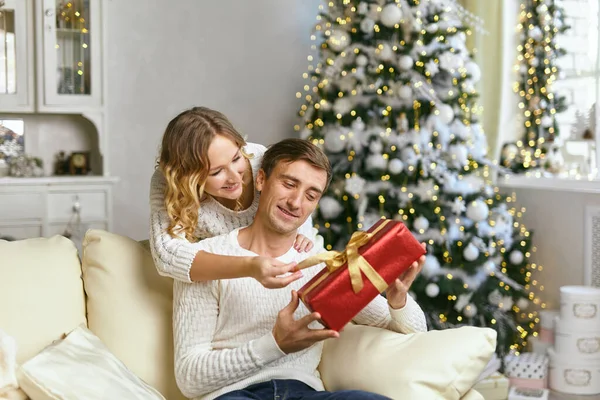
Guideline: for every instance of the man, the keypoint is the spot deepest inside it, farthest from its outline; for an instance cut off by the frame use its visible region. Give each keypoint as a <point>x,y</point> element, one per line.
<point>234,339</point>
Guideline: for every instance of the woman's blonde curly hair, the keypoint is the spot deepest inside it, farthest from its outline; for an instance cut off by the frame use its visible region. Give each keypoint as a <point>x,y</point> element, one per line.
<point>184,163</point>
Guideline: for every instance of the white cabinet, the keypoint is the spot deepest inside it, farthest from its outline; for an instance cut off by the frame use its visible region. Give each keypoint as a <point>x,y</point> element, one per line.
<point>16,56</point>
<point>34,207</point>
<point>69,54</point>
<point>66,37</point>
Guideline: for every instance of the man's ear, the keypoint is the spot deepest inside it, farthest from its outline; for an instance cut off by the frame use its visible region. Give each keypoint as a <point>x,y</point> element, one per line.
<point>260,180</point>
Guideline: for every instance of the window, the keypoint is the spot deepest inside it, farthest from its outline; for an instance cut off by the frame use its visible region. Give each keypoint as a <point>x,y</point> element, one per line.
<point>580,82</point>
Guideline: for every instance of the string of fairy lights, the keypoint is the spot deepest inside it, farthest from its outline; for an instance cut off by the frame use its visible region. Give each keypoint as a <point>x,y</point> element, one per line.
<point>333,34</point>
<point>540,21</point>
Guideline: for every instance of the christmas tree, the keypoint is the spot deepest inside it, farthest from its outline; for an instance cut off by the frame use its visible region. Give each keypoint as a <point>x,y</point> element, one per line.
<point>391,99</point>
<point>540,23</point>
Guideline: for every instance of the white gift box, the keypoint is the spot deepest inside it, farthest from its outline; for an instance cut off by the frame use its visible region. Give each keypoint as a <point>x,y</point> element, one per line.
<point>519,393</point>
<point>494,387</point>
<point>529,370</point>
<point>579,341</point>
<point>574,377</point>
<point>580,305</point>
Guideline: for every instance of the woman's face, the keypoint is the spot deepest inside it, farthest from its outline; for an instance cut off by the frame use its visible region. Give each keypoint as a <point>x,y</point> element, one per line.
<point>227,168</point>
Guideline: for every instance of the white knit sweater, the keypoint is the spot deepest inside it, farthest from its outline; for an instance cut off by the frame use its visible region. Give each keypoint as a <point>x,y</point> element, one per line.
<point>173,256</point>
<point>223,329</point>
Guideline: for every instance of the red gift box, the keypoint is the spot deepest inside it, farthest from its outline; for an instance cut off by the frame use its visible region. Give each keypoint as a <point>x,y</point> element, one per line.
<point>339,291</point>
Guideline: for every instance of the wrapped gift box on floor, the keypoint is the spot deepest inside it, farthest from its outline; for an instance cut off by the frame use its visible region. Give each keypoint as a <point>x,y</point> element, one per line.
<point>371,261</point>
<point>520,393</point>
<point>494,387</point>
<point>528,370</point>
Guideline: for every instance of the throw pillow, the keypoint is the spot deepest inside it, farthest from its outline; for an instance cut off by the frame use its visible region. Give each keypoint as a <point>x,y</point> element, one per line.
<point>80,366</point>
<point>441,364</point>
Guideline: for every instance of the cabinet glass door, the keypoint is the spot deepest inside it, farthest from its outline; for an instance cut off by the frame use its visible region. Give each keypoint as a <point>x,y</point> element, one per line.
<point>71,52</point>
<point>15,49</point>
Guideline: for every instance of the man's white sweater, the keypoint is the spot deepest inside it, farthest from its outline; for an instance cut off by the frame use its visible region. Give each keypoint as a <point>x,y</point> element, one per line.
<point>223,329</point>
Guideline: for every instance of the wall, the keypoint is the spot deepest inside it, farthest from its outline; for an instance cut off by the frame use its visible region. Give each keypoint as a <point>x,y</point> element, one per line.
<point>244,58</point>
<point>557,219</point>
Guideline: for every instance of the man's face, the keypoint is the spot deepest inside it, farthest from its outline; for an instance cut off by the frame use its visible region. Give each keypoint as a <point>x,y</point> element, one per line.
<point>289,195</point>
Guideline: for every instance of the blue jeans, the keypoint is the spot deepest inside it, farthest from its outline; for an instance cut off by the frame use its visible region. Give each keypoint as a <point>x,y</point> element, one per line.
<point>289,389</point>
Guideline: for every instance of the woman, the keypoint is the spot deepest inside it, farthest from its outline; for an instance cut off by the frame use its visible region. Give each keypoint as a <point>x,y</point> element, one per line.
<point>203,187</point>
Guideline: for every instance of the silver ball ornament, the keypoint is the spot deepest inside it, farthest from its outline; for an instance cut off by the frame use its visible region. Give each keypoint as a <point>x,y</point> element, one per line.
<point>391,15</point>
<point>432,290</point>
<point>471,252</point>
<point>395,166</point>
<point>477,210</point>
<point>516,257</point>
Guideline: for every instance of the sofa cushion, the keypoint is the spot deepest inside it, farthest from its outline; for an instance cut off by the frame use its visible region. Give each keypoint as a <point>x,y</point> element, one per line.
<point>41,292</point>
<point>130,307</point>
<point>426,365</point>
<point>81,367</point>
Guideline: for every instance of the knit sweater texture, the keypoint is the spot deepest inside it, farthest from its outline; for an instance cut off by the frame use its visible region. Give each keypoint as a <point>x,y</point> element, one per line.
<point>223,329</point>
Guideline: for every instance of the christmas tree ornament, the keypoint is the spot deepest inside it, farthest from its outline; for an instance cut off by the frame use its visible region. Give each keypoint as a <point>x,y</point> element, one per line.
<point>523,303</point>
<point>421,224</point>
<point>362,8</point>
<point>376,162</point>
<point>384,52</point>
<point>391,15</point>
<point>335,141</point>
<point>338,40</point>
<point>490,267</point>
<point>445,113</point>
<point>362,60</point>
<point>395,166</point>
<point>432,290</point>
<point>536,33</point>
<point>376,147</point>
<point>431,267</point>
<point>358,125</point>
<point>477,210</point>
<point>471,252</point>
<point>367,26</point>
<point>329,207</point>
<point>405,62</point>
<point>516,257</point>
<point>343,106</point>
<point>405,92</point>
<point>470,310</point>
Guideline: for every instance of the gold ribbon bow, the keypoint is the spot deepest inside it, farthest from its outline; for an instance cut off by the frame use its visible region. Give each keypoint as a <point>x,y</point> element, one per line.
<point>356,262</point>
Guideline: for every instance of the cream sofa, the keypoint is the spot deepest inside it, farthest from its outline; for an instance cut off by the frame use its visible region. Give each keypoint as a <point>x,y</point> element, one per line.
<point>45,292</point>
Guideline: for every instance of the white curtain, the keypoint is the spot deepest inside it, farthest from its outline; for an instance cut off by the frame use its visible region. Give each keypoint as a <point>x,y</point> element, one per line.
<point>496,56</point>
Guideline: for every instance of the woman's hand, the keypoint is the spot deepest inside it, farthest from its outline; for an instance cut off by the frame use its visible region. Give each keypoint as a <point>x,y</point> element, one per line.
<point>302,243</point>
<point>271,273</point>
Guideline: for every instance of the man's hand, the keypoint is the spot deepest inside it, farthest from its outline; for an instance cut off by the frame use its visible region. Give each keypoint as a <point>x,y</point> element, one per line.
<point>396,293</point>
<point>295,335</point>
<point>268,272</point>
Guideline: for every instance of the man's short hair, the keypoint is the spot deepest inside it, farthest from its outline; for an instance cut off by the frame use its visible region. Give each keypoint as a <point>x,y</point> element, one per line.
<point>293,149</point>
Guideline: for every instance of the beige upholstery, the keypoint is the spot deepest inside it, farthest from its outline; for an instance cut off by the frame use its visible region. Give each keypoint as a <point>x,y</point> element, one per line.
<point>422,365</point>
<point>41,292</point>
<point>130,307</point>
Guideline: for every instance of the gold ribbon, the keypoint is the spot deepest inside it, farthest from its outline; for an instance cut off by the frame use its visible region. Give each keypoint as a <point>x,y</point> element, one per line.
<point>356,262</point>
